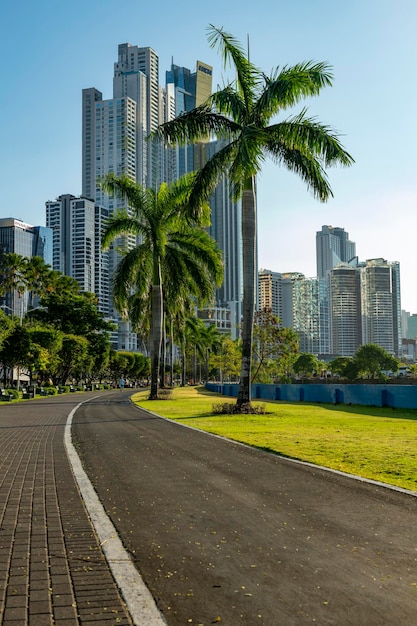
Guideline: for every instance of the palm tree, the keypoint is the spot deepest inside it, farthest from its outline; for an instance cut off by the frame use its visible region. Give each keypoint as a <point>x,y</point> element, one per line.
<point>241,113</point>
<point>13,282</point>
<point>37,274</point>
<point>175,252</point>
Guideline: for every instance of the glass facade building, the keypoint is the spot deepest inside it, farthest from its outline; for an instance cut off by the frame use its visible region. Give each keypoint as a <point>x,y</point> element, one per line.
<point>27,241</point>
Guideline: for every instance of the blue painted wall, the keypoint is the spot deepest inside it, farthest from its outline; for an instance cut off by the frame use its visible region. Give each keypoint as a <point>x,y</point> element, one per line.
<point>394,396</point>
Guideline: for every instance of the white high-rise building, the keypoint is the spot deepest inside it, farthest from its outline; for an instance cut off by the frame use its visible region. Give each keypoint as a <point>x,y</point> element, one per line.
<point>332,247</point>
<point>270,292</point>
<point>114,140</point>
<point>72,221</point>
<point>76,225</point>
<point>381,304</point>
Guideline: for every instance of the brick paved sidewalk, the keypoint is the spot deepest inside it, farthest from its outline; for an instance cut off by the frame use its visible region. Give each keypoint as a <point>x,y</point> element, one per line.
<point>52,570</point>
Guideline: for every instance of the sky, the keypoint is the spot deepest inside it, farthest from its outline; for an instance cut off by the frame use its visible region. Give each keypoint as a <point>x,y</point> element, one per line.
<point>52,50</point>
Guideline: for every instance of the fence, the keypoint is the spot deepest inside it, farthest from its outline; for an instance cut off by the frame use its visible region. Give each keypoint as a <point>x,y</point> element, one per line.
<point>394,396</point>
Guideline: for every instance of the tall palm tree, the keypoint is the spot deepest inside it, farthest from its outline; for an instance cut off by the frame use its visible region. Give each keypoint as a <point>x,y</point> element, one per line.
<point>174,251</point>
<point>241,113</point>
<point>37,274</point>
<point>13,282</point>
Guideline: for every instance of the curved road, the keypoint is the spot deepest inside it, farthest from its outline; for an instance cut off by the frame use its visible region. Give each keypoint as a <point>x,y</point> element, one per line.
<point>222,533</point>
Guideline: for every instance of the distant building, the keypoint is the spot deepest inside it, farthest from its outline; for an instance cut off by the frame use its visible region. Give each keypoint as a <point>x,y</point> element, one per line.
<point>332,247</point>
<point>345,310</point>
<point>270,291</point>
<point>381,304</point>
<point>27,241</point>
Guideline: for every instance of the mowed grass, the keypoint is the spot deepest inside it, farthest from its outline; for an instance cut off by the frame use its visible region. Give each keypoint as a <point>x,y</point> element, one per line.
<point>375,443</point>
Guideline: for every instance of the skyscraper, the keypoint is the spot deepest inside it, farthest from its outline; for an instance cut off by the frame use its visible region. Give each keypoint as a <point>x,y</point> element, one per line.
<point>115,139</point>
<point>332,247</point>
<point>72,222</point>
<point>270,291</point>
<point>345,310</point>
<point>381,304</point>
<point>27,241</point>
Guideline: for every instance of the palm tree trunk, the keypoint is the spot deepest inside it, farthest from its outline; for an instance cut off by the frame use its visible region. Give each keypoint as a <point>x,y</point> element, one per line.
<point>162,364</point>
<point>156,332</point>
<point>171,352</point>
<point>249,282</point>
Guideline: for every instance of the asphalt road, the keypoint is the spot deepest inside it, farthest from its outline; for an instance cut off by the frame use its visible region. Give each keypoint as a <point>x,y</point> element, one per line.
<point>224,534</point>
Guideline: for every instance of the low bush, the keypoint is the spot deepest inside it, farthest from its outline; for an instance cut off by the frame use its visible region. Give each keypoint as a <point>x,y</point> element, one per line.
<point>229,408</point>
<point>165,394</point>
<point>12,392</point>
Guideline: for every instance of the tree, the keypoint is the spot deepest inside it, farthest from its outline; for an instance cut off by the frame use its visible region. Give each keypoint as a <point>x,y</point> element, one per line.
<point>73,313</point>
<point>6,326</point>
<point>227,359</point>
<point>210,341</point>
<point>74,358</point>
<point>340,364</point>
<point>14,350</point>
<point>38,278</point>
<point>13,281</point>
<point>306,364</point>
<point>371,359</point>
<point>43,357</point>
<point>241,113</point>
<point>174,251</point>
<point>271,342</point>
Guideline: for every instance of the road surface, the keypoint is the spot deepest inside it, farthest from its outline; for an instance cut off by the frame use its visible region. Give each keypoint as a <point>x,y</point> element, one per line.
<point>225,534</point>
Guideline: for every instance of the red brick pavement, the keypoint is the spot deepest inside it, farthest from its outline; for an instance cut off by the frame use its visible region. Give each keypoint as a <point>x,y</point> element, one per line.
<point>52,570</point>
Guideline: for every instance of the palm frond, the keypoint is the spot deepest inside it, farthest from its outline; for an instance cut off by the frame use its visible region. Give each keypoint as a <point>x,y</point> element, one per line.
<point>125,188</point>
<point>309,136</point>
<point>191,126</point>
<point>307,167</point>
<point>132,272</point>
<point>248,75</point>
<point>119,224</point>
<point>207,177</point>
<point>286,87</point>
<point>229,102</point>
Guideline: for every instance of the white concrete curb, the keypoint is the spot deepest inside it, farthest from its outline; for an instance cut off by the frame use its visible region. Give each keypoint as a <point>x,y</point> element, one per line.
<point>139,600</point>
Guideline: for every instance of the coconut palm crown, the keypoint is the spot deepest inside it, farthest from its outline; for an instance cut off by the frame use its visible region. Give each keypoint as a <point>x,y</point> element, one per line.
<point>243,114</point>
<point>174,254</point>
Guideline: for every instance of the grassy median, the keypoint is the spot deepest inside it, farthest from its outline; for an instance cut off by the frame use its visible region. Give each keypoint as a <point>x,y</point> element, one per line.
<point>375,443</point>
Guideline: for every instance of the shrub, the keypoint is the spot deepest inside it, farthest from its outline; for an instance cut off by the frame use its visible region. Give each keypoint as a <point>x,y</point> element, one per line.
<point>229,408</point>
<point>165,394</point>
<point>12,392</point>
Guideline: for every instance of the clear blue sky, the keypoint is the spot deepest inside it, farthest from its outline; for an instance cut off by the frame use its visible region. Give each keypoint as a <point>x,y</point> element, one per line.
<point>51,50</point>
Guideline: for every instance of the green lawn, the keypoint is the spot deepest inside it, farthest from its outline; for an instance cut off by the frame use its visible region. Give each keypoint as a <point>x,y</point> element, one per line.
<point>376,443</point>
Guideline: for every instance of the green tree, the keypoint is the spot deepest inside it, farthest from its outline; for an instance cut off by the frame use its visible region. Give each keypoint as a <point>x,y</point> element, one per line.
<point>210,341</point>
<point>174,250</point>
<point>99,350</point>
<point>43,357</point>
<point>339,365</point>
<point>227,359</point>
<point>306,364</point>
<point>6,326</point>
<point>74,357</point>
<point>38,278</point>
<point>73,313</point>
<point>14,351</point>
<point>371,359</point>
<point>271,342</point>
<point>241,113</point>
